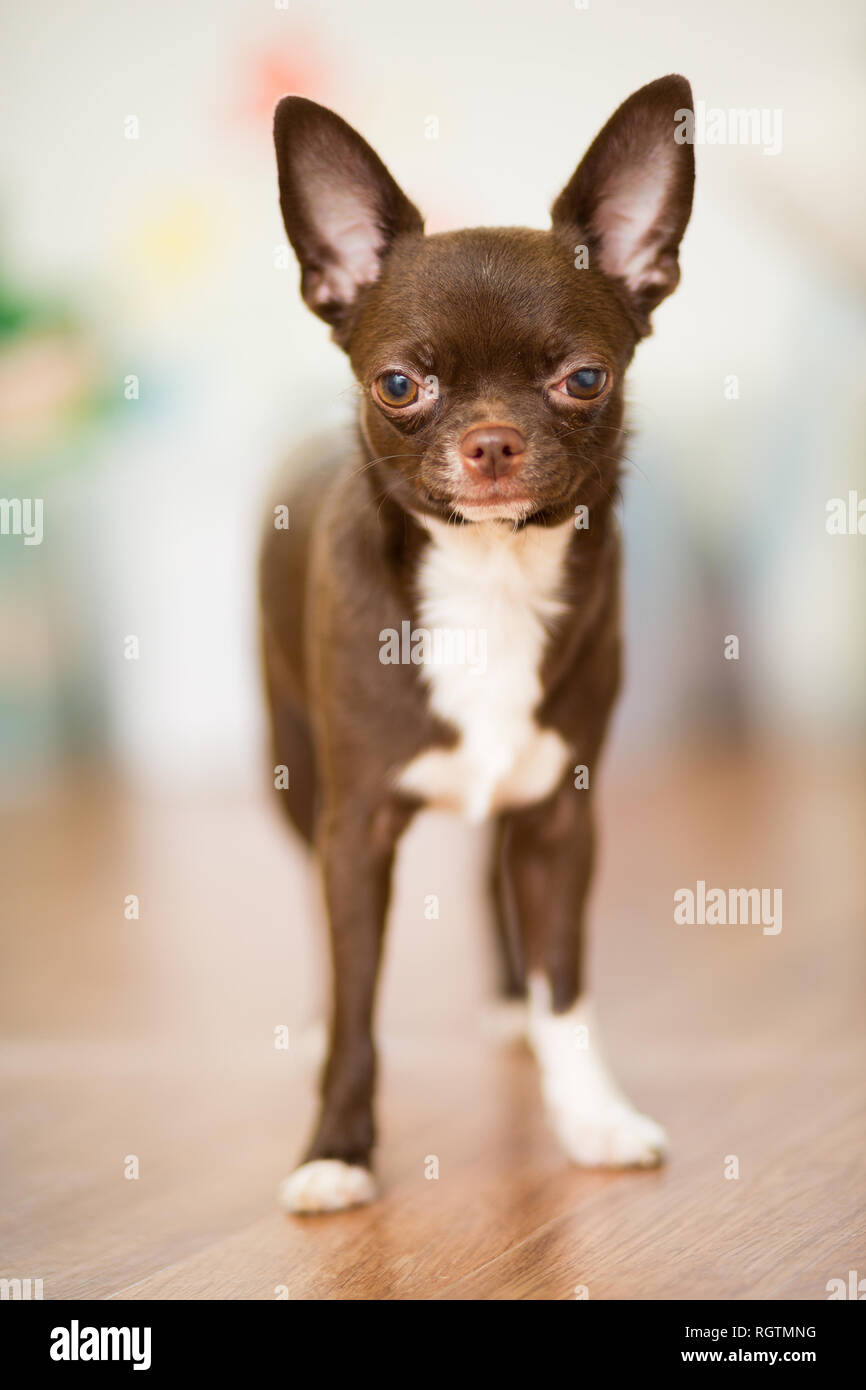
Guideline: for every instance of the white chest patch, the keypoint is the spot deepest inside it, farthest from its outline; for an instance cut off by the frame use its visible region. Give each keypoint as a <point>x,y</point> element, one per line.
<point>488,598</point>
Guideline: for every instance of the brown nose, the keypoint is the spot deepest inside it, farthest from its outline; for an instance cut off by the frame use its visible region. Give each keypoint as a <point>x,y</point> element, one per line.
<point>492,450</point>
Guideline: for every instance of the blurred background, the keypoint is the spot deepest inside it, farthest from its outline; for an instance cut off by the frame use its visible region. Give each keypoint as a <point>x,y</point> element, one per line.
<point>155,364</point>
<point>140,238</point>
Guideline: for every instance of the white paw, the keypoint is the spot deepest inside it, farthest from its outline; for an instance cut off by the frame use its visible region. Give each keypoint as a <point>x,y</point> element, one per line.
<point>617,1138</point>
<point>327,1184</point>
<point>596,1124</point>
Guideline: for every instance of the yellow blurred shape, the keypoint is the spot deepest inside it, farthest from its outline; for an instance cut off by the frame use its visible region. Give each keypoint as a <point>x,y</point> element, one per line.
<point>178,241</point>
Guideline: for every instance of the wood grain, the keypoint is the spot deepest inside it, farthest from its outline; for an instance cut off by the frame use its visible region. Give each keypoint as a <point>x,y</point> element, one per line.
<point>156,1038</point>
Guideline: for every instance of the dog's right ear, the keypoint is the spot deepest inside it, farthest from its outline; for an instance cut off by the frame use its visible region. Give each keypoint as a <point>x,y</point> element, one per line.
<point>341,207</point>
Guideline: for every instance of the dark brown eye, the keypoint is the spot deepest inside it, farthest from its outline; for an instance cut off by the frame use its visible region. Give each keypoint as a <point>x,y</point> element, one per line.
<point>586,384</point>
<point>396,389</point>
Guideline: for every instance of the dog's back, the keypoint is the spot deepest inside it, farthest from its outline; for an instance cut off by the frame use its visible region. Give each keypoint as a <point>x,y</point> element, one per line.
<point>296,501</point>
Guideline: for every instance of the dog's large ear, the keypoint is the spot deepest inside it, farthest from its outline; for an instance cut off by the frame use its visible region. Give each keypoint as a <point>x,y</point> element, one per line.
<point>341,207</point>
<point>631,195</point>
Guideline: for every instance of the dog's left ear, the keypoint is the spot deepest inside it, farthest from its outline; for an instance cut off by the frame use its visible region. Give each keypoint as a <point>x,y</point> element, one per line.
<point>631,195</point>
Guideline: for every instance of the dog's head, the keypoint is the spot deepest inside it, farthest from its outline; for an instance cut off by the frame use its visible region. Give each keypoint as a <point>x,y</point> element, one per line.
<point>491,361</point>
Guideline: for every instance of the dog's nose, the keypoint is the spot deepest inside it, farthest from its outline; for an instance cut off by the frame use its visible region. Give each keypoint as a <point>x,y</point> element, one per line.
<point>492,450</point>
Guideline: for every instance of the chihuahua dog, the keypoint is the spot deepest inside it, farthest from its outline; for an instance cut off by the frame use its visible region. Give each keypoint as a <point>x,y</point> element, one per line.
<point>441,615</point>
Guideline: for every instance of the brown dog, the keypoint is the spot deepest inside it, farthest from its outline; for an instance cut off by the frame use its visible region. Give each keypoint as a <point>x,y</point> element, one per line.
<point>441,618</point>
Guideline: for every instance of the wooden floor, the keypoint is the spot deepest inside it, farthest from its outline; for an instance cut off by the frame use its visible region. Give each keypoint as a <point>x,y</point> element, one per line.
<point>155,1038</point>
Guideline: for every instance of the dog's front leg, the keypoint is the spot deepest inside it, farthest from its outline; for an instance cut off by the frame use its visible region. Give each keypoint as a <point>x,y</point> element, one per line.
<point>548,854</point>
<point>356,848</point>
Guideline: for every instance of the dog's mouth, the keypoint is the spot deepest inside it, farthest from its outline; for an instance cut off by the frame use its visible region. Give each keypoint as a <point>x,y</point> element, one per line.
<point>517,498</point>
<point>492,501</point>
<point>505,499</point>
<point>494,507</point>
